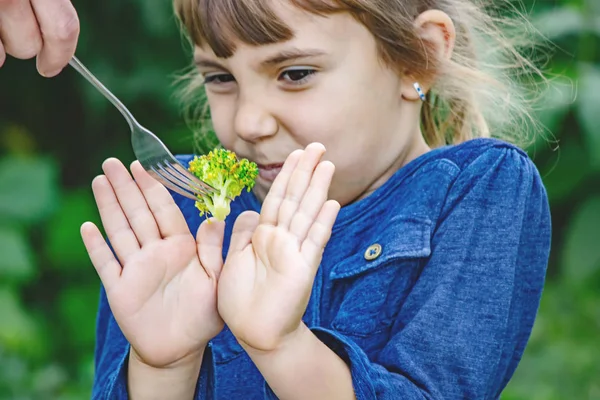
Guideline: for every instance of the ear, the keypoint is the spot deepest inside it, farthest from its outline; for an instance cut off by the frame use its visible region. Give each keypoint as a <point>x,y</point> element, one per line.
<point>438,34</point>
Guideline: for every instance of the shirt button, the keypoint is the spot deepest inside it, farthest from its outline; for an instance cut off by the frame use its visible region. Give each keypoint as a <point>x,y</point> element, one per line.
<point>373,251</point>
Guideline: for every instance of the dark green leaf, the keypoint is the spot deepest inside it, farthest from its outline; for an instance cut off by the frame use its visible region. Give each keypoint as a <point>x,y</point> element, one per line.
<point>581,253</point>
<point>18,331</point>
<point>16,262</point>
<point>28,188</point>
<point>565,170</point>
<point>76,306</point>
<point>588,112</point>
<point>63,243</point>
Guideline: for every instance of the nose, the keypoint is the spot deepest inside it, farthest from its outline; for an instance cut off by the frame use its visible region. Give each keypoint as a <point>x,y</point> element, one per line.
<point>253,120</point>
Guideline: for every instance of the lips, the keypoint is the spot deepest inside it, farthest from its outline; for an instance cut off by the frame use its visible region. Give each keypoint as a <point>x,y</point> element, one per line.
<point>269,172</point>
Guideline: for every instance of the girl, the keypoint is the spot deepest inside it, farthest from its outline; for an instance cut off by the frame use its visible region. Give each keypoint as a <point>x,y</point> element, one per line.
<point>424,284</point>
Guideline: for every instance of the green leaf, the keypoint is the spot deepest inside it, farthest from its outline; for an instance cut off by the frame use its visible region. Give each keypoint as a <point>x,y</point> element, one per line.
<point>581,252</point>
<point>560,21</point>
<point>28,188</point>
<point>49,379</point>
<point>561,358</point>
<point>588,111</point>
<point>565,171</point>
<point>77,309</point>
<point>156,16</point>
<point>16,263</point>
<point>555,103</point>
<point>18,330</point>
<point>63,243</point>
<point>14,372</point>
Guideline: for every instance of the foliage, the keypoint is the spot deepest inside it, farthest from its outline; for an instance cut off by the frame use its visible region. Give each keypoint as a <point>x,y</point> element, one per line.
<point>54,135</point>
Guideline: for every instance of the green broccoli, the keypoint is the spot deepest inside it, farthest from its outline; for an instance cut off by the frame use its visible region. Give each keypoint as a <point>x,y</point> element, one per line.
<point>222,170</point>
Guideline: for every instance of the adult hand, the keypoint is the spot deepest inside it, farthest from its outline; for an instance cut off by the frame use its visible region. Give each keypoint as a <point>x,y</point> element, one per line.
<point>48,29</point>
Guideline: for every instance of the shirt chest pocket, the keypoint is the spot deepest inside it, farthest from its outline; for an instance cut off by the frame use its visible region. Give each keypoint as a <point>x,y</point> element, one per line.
<point>370,286</point>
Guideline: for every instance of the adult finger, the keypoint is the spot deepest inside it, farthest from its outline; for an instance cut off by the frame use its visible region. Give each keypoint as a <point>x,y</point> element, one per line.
<point>131,200</point>
<point>59,26</point>
<point>2,54</point>
<point>19,30</point>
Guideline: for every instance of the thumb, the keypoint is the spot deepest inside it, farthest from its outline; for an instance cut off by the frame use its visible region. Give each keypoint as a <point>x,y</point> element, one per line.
<point>243,229</point>
<point>209,240</point>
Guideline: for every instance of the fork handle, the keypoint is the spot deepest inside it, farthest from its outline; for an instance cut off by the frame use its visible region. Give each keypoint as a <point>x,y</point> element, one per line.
<point>79,67</point>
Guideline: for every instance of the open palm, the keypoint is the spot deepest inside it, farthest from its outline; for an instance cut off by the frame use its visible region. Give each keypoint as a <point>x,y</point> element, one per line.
<point>161,287</point>
<point>267,279</point>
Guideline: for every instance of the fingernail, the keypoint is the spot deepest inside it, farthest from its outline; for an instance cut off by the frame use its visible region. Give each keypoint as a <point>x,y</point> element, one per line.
<point>50,74</point>
<point>44,73</point>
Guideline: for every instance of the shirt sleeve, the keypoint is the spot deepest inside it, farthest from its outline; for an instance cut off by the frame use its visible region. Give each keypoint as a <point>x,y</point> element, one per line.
<point>463,327</point>
<point>110,355</point>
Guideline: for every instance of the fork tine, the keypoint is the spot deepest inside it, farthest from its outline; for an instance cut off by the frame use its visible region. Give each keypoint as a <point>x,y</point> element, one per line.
<point>187,176</point>
<point>167,183</point>
<point>166,175</point>
<point>175,178</point>
<point>196,183</point>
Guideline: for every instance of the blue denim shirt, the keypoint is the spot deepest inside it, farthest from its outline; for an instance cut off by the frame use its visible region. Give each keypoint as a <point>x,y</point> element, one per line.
<point>428,288</point>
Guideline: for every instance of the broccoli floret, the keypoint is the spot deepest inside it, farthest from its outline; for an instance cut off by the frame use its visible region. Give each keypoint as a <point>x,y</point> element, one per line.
<point>222,170</point>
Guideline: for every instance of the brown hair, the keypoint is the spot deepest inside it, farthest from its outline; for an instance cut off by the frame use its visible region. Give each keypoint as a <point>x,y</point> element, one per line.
<point>482,91</point>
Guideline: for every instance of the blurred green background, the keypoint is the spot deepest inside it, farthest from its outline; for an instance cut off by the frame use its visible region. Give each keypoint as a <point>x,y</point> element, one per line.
<point>55,133</point>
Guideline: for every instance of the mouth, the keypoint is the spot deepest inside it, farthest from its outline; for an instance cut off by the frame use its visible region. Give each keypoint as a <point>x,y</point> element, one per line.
<point>269,172</point>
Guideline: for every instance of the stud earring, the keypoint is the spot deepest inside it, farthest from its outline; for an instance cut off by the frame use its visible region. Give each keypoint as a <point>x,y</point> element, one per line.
<point>419,90</point>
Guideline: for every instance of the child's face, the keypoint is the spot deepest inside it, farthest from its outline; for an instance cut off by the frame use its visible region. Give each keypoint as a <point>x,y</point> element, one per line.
<point>265,104</point>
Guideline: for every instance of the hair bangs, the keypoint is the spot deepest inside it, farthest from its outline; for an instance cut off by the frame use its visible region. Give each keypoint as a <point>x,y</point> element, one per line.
<point>219,23</point>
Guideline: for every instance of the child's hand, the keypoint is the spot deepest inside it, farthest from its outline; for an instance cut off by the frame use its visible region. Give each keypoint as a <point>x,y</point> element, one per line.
<point>267,279</point>
<point>162,288</point>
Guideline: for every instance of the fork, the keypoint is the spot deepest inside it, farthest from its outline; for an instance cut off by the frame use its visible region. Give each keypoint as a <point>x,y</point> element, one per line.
<point>150,151</point>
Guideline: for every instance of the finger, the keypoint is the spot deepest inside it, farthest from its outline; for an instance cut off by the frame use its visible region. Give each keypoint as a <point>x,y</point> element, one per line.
<point>210,246</point>
<point>319,233</point>
<point>313,200</point>
<point>19,29</point>
<point>243,229</point>
<point>117,228</point>
<point>2,54</point>
<point>59,27</point>
<point>103,259</point>
<point>167,214</point>
<point>298,183</point>
<point>273,199</point>
<point>132,201</point>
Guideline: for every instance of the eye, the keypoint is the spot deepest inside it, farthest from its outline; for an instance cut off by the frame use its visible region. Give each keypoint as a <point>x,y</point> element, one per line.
<point>297,76</point>
<point>218,79</point>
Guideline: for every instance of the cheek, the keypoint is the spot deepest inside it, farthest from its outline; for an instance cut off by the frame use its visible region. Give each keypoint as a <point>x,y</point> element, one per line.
<point>222,121</point>
<point>352,108</point>
<point>330,114</point>
<point>339,123</point>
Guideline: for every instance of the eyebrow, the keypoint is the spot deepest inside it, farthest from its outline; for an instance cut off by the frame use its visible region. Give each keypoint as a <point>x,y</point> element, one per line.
<point>291,55</point>
<point>276,59</point>
<point>207,63</point>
